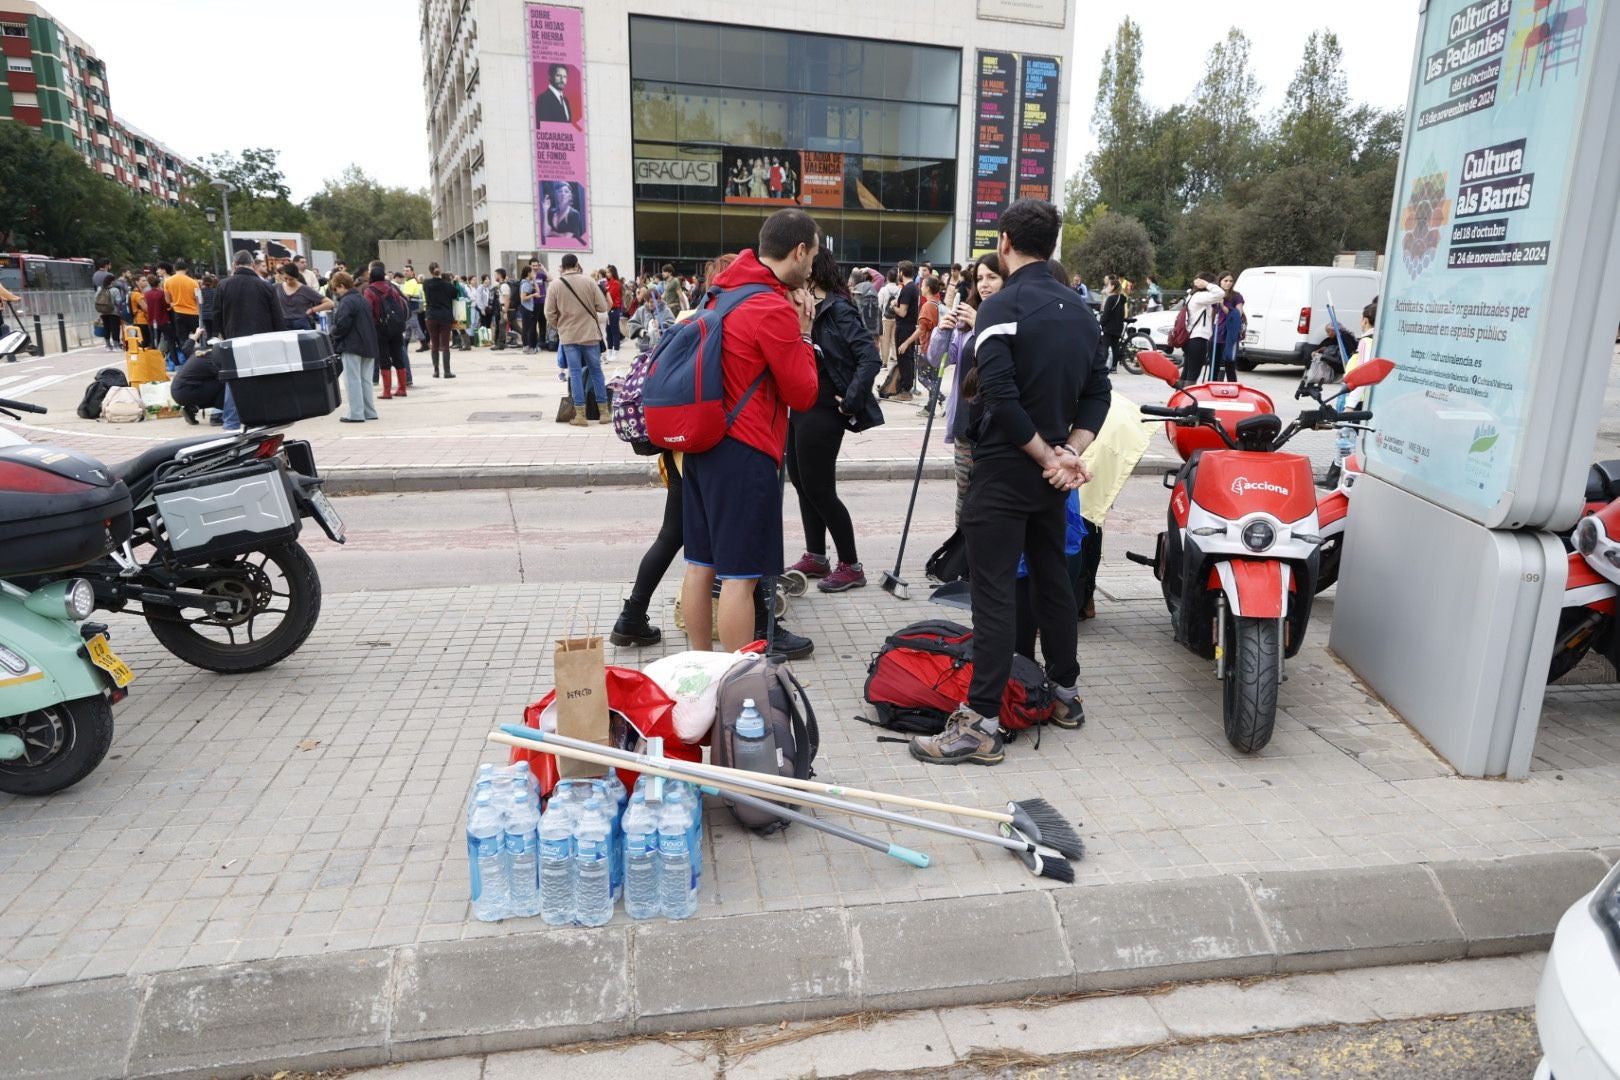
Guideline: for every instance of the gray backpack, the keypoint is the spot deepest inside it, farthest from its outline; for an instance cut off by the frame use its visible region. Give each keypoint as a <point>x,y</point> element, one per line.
<point>777,694</point>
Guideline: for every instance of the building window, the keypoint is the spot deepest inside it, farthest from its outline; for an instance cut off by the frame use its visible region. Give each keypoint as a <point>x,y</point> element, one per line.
<point>19,63</point>
<point>13,30</point>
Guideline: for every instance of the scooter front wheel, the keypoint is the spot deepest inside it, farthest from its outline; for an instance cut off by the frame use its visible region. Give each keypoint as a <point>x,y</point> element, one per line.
<point>1253,671</point>
<point>62,745</point>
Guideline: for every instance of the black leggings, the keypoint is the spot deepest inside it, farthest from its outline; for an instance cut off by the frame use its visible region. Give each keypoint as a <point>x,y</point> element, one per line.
<point>813,441</point>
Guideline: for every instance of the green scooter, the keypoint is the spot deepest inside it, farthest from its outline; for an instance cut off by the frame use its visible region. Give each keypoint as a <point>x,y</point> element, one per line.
<point>59,677</point>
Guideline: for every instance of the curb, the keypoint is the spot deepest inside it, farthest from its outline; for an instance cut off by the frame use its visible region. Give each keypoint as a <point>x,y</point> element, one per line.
<point>370,480</point>
<point>481,995</point>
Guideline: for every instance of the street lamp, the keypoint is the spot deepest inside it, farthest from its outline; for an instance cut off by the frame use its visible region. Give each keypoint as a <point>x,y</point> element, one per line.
<point>225,189</point>
<point>213,239</point>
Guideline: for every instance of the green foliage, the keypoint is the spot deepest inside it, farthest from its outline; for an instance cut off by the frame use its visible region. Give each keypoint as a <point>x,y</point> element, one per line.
<point>1215,186</point>
<point>353,212</point>
<point>1114,244</point>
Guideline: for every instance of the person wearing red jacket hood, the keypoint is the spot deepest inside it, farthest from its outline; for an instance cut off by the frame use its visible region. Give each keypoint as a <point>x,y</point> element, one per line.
<point>732,514</point>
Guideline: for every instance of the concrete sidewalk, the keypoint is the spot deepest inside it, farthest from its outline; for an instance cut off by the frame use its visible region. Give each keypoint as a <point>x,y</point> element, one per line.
<point>270,869</point>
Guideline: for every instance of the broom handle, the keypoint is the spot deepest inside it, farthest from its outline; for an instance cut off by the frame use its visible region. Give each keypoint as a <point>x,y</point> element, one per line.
<point>721,772</point>
<point>611,757</point>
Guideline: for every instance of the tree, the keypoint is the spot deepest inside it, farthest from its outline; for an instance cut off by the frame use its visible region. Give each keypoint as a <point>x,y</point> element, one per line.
<point>1295,216</point>
<point>352,213</point>
<point>1121,120</point>
<point>1313,128</point>
<point>1221,130</point>
<point>260,199</point>
<point>1115,244</point>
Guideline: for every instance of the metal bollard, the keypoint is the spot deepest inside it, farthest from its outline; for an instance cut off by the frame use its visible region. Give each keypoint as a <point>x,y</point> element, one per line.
<point>39,338</point>
<point>61,329</point>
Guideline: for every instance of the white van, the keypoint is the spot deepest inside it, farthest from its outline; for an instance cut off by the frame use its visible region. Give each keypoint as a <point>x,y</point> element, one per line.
<point>1287,311</point>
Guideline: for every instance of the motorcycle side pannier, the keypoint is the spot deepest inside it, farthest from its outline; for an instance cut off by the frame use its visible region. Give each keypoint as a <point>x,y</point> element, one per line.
<point>281,377</point>
<point>226,513</point>
<point>58,509</point>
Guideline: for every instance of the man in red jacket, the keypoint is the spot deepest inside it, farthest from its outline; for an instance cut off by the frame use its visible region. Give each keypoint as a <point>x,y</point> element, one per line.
<point>732,513</point>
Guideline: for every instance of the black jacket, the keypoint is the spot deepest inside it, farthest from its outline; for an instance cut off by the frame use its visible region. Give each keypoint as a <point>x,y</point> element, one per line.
<point>439,299</point>
<point>197,383</point>
<point>353,331</point>
<point>1112,319</point>
<point>246,304</point>
<point>1040,370</point>
<point>847,362</point>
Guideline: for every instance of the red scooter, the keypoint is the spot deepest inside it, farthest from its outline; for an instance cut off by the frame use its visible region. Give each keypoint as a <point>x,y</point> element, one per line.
<point>1239,560</point>
<point>1592,593</point>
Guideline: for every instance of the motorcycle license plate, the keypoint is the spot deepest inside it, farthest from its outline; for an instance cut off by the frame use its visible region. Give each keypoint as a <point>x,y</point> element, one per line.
<point>103,657</point>
<point>328,514</point>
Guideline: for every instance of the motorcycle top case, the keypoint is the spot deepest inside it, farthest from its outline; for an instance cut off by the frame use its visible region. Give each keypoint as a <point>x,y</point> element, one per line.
<point>58,509</point>
<point>225,513</point>
<point>281,377</point>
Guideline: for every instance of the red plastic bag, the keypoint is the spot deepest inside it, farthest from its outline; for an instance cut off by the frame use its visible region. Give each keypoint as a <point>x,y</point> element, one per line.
<point>651,714</point>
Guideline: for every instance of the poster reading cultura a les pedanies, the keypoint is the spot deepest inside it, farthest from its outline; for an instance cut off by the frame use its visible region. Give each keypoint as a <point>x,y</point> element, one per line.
<point>1479,203</point>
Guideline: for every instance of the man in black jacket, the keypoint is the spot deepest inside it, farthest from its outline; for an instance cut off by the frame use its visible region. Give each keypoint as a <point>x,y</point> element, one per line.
<point>244,304</point>
<point>1043,395</point>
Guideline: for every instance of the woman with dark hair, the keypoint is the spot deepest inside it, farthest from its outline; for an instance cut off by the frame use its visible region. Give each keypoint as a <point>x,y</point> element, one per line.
<point>1229,329</point>
<point>954,341</point>
<point>847,364</point>
<point>615,295</point>
<point>299,303</point>
<point>1112,320</point>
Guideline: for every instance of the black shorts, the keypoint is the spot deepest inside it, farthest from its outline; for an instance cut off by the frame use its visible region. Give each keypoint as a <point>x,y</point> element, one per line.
<point>732,513</point>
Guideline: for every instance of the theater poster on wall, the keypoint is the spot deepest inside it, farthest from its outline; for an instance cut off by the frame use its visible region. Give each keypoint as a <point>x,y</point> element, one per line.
<point>557,89</point>
<point>1480,198</point>
<point>995,102</point>
<point>759,176</point>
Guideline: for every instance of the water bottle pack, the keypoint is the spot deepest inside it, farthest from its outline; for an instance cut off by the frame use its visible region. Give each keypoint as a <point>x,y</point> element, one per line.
<point>592,844</point>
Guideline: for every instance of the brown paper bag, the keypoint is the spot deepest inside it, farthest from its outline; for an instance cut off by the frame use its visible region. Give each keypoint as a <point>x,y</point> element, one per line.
<point>582,704</point>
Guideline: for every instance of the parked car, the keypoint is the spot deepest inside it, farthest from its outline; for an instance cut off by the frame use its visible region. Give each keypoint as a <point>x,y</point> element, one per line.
<point>1575,1005</point>
<point>1287,310</point>
<point>1151,330</point>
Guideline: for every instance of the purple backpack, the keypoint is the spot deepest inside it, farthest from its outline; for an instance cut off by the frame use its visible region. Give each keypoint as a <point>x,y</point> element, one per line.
<point>629,418</point>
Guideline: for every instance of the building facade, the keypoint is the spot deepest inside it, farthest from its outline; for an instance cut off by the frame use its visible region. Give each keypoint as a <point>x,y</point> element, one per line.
<point>640,139</point>
<point>55,84</point>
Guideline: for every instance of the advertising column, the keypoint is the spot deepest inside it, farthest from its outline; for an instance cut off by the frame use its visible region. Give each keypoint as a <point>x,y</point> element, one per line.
<point>557,90</point>
<point>994,103</point>
<point>1037,125</point>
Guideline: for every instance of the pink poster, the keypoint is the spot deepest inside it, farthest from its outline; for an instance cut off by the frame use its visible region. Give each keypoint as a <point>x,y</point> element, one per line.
<point>557,79</point>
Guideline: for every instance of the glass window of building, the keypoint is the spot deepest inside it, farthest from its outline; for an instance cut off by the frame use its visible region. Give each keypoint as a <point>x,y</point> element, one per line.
<point>731,123</point>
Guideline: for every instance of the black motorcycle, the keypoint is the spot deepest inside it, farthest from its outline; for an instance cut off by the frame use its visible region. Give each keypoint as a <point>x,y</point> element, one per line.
<point>214,563</point>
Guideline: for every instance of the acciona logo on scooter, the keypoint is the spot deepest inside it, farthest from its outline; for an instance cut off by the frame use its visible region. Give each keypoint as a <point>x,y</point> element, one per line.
<point>1243,485</point>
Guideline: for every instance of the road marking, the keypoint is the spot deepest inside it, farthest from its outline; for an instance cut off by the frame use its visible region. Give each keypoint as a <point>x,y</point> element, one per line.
<point>50,380</point>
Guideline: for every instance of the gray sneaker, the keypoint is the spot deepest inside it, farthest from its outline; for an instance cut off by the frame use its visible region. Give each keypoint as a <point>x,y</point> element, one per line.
<point>962,742</point>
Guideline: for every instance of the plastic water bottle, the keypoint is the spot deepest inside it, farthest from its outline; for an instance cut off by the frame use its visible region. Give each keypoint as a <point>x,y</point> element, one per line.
<point>677,883</point>
<point>593,873</point>
<point>641,859</point>
<point>556,865</point>
<point>755,745</point>
<point>484,781</point>
<point>1347,443</point>
<point>688,796</point>
<point>523,856</point>
<point>524,777</point>
<point>486,860</point>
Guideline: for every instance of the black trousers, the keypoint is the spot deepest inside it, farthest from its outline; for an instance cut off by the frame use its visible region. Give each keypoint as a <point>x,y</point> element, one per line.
<point>814,439</point>
<point>907,363</point>
<point>1012,510</point>
<point>1194,357</point>
<point>531,326</point>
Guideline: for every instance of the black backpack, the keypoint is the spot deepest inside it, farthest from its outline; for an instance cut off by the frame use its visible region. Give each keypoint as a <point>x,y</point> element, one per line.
<point>391,313</point>
<point>866,303</point>
<point>949,560</point>
<point>106,379</point>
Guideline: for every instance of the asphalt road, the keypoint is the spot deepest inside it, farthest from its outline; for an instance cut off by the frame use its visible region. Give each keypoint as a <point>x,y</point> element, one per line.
<point>1481,1046</point>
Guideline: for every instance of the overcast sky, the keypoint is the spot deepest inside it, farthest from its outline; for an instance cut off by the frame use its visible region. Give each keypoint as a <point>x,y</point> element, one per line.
<point>285,61</point>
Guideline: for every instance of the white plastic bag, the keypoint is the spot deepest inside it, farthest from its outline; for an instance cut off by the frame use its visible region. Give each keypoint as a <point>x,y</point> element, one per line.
<point>693,680</point>
<point>155,396</point>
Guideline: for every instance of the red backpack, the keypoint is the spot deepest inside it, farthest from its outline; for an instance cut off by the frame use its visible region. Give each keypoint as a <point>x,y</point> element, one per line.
<point>921,675</point>
<point>683,395</point>
<point>1179,334</point>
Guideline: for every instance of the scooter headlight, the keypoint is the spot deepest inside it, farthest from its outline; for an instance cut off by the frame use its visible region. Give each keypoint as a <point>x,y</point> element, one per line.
<point>79,600</point>
<point>1586,536</point>
<point>1259,535</point>
<point>12,662</point>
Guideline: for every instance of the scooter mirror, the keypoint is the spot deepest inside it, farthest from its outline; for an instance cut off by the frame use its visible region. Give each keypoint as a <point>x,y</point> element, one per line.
<point>1159,366</point>
<point>1373,371</point>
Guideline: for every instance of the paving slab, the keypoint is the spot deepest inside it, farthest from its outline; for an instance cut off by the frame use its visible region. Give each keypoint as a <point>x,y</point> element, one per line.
<point>663,1060</point>
<point>511,991</point>
<point>1046,1028</point>
<point>1511,905</point>
<point>73,1031</point>
<point>961,951</point>
<point>1140,933</point>
<point>1225,1008</point>
<point>456,1068</point>
<point>915,1040</point>
<point>322,1011</point>
<point>1340,918</point>
<point>1413,990</point>
<point>743,969</point>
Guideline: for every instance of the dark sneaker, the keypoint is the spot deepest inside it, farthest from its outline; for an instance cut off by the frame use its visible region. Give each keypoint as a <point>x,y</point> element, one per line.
<point>1069,713</point>
<point>846,576</point>
<point>963,742</point>
<point>789,645</point>
<point>812,566</point>
<point>634,629</point>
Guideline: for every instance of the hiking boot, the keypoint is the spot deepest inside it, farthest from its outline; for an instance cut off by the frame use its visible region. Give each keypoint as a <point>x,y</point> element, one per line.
<point>812,566</point>
<point>632,627</point>
<point>1069,710</point>
<point>579,417</point>
<point>845,576</point>
<point>963,742</point>
<point>787,644</point>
